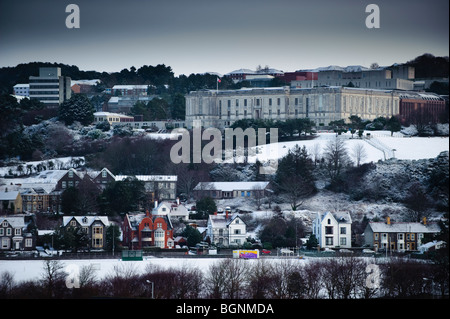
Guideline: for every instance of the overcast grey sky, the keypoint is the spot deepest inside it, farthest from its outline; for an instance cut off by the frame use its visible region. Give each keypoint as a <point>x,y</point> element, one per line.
<point>197,36</point>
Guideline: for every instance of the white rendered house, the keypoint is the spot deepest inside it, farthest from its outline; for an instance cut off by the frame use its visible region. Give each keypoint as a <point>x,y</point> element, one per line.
<point>224,229</point>
<point>333,230</point>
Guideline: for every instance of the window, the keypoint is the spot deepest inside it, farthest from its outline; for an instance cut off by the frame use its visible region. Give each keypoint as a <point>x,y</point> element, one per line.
<point>329,230</point>
<point>103,174</point>
<point>63,184</point>
<point>329,221</point>
<point>17,231</point>
<point>97,230</point>
<point>329,241</point>
<point>400,236</point>
<point>73,223</point>
<point>343,241</point>
<point>242,194</point>
<point>28,242</point>
<point>70,174</point>
<point>343,230</point>
<point>237,231</point>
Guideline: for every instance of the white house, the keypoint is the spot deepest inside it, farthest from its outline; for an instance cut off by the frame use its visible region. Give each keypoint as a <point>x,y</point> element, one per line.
<point>223,229</point>
<point>333,230</point>
<point>174,210</point>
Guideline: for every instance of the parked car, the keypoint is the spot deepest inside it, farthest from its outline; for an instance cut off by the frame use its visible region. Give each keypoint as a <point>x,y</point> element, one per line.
<point>267,252</point>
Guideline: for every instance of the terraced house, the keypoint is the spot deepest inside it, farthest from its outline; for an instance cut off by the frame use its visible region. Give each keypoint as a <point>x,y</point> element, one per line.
<point>398,236</point>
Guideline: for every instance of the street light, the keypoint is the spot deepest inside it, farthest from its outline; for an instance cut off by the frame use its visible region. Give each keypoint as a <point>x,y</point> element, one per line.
<point>153,284</point>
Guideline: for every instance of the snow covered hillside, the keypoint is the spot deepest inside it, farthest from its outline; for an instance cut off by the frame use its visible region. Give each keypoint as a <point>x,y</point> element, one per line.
<point>380,146</point>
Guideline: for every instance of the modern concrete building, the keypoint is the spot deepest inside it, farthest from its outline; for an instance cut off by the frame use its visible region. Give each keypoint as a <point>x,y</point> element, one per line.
<point>212,108</point>
<point>50,87</point>
<point>21,89</point>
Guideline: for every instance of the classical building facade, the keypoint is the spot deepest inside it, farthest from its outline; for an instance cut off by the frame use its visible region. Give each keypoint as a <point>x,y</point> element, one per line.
<point>212,108</point>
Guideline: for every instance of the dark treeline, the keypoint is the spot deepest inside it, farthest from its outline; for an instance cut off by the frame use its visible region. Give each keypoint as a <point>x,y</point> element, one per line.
<point>336,278</point>
<point>426,66</point>
<point>156,76</point>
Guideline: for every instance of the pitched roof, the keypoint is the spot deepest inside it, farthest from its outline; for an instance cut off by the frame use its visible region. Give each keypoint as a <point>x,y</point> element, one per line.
<point>11,195</point>
<point>230,186</point>
<point>382,227</point>
<point>86,220</point>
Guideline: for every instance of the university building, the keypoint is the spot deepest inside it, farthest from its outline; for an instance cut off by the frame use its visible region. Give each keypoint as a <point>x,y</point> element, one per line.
<point>211,108</point>
<point>50,87</point>
<point>322,105</point>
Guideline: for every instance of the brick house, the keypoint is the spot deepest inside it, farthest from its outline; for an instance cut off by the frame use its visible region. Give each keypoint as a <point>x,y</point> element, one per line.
<point>398,236</point>
<point>147,230</point>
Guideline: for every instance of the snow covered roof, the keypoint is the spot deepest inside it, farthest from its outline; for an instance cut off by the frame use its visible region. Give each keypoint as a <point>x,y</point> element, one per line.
<point>149,178</point>
<point>221,220</point>
<point>382,227</point>
<point>14,221</point>
<point>111,114</point>
<point>341,217</point>
<point>86,220</point>
<point>230,186</point>
<point>12,195</point>
<point>242,71</point>
<point>129,87</point>
<point>86,82</point>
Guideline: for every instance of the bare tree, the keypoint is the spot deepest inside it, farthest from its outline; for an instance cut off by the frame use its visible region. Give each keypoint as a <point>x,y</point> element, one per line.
<point>53,277</point>
<point>359,153</point>
<point>258,195</point>
<point>316,152</point>
<point>336,157</point>
<point>296,190</point>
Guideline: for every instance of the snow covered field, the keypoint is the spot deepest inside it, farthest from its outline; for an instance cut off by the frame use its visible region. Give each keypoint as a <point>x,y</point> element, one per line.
<point>407,148</point>
<point>23,270</point>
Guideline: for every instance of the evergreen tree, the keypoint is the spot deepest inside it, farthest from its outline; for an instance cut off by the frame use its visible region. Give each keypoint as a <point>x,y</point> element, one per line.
<point>77,108</point>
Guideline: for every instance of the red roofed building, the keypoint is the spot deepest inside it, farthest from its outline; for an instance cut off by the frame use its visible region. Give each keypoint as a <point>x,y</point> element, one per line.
<point>147,230</point>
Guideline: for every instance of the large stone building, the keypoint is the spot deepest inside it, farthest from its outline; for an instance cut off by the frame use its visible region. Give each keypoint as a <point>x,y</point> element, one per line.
<point>212,108</point>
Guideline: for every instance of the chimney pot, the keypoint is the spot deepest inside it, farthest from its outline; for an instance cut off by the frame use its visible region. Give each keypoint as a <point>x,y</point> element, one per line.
<point>388,220</point>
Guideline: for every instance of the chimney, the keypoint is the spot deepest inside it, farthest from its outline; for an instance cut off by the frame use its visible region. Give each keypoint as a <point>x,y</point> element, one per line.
<point>424,221</point>
<point>178,201</point>
<point>215,213</point>
<point>388,220</point>
<point>156,203</point>
<point>147,213</point>
<point>226,214</point>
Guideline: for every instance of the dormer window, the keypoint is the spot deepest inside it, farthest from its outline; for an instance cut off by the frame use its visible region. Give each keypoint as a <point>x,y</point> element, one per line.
<point>329,221</point>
